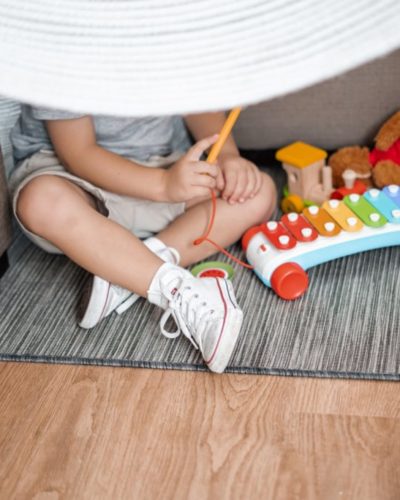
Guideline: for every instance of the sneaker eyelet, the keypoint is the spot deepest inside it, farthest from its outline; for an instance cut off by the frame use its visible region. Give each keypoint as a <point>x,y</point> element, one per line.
<point>204,303</point>
<point>212,311</point>
<point>196,296</point>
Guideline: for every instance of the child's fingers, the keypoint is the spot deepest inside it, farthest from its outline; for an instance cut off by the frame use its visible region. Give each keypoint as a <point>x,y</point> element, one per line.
<point>204,181</point>
<point>230,184</point>
<point>195,152</point>
<point>202,167</point>
<point>249,187</point>
<point>253,183</point>
<point>220,180</point>
<point>255,179</point>
<point>241,184</point>
<point>200,192</point>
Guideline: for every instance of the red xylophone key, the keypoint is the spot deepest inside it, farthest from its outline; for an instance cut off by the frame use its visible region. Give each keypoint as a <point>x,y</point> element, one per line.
<point>300,228</point>
<point>279,236</point>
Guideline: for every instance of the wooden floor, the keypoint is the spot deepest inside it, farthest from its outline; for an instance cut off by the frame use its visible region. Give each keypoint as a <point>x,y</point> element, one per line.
<point>89,432</point>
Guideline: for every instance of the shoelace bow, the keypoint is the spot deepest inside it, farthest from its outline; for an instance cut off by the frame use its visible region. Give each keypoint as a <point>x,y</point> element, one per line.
<point>183,305</point>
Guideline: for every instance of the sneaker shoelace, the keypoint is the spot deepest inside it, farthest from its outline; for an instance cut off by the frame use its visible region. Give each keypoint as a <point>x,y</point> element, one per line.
<point>189,311</point>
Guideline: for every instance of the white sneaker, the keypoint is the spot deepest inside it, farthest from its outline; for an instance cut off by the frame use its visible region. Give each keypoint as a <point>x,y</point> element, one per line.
<point>205,311</point>
<point>101,298</point>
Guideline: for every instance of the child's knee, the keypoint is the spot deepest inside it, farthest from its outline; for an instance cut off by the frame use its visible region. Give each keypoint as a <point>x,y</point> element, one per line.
<point>264,203</point>
<point>269,188</point>
<point>38,201</point>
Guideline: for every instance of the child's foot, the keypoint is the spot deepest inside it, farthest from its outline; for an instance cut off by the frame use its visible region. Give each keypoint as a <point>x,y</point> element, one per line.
<point>101,298</point>
<point>204,309</point>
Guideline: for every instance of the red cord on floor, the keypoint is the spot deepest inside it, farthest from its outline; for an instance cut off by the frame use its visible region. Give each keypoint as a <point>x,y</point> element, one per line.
<point>205,237</point>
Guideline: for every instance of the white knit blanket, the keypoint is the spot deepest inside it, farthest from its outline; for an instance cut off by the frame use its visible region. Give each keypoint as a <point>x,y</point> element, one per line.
<point>144,57</point>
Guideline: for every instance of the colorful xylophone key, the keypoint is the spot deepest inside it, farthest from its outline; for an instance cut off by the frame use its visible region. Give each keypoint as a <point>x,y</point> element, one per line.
<point>281,251</point>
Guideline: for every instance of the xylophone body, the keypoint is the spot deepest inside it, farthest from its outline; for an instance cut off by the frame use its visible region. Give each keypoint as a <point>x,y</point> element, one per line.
<point>282,251</point>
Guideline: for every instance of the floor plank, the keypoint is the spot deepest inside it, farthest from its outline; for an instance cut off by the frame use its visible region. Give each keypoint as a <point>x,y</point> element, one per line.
<point>92,432</point>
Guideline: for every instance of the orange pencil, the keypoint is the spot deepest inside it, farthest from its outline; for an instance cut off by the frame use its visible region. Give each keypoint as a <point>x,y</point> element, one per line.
<point>223,135</point>
<point>212,156</point>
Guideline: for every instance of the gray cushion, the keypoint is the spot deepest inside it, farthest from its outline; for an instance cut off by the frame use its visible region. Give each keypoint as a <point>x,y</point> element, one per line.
<point>5,215</point>
<point>343,111</point>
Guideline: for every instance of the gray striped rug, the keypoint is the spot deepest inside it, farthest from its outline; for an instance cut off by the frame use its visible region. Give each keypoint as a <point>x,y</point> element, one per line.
<point>347,325</point>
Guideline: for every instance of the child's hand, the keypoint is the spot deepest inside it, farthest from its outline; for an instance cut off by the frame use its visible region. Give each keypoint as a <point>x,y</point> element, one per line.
<point>189,177</point>
<point>242,178</point>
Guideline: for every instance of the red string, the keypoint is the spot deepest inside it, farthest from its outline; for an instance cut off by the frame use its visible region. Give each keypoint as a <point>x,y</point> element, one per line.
<point>203,238</point>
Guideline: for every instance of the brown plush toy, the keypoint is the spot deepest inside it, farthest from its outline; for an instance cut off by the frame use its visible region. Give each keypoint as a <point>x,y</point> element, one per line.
<point>379,167</point>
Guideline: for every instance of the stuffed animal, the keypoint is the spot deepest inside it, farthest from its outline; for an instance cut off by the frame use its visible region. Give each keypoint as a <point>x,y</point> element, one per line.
<point>379,166</point>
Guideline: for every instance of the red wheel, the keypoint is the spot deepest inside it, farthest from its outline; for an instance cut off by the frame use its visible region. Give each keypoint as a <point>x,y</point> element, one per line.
<point>289,281</point>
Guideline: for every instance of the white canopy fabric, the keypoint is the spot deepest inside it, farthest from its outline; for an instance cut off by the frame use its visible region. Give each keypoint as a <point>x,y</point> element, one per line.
<point>155,57</point>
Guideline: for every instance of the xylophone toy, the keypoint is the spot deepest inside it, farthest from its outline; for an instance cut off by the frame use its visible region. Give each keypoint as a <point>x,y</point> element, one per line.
<point>281,251</point>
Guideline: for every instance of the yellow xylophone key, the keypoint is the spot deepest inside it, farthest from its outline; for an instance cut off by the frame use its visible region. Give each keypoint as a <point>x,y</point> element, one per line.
<point>342,214</point>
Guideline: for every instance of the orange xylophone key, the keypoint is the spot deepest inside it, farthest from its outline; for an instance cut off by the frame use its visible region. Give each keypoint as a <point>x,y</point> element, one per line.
<point>322,221</point>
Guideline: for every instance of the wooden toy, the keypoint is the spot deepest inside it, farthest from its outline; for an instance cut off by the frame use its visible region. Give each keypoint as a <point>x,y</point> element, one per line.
<point>309,178</point>
<point>281,251</point>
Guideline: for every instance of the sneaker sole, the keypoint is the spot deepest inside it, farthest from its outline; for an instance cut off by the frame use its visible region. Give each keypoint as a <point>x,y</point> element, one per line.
<point>232,324</point>
<point>99,288</point>
<point>227,343</point>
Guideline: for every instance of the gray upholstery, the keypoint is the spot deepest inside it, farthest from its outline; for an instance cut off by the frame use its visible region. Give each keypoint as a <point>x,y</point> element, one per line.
<point>9,111</point>
<point>342,111</point>
<point>5,217</point>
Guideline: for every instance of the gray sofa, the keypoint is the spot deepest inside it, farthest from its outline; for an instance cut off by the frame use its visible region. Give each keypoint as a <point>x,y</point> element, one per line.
<point>5,219</point>
<point>345,110</point>
<point>342,111</point>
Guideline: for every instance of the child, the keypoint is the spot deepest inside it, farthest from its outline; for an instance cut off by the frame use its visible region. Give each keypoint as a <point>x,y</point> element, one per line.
<point>97,188</point>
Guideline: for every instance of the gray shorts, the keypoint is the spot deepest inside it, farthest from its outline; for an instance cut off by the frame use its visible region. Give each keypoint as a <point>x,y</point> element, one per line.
<point>141,217</point>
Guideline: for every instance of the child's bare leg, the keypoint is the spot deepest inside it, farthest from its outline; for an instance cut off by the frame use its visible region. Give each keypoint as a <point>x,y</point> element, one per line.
<point>64,214</point>
<point>231,222</point>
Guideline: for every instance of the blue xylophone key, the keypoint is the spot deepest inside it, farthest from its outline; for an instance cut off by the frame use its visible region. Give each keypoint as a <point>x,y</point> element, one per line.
<point>393,192</point>
<point>384,204</point>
